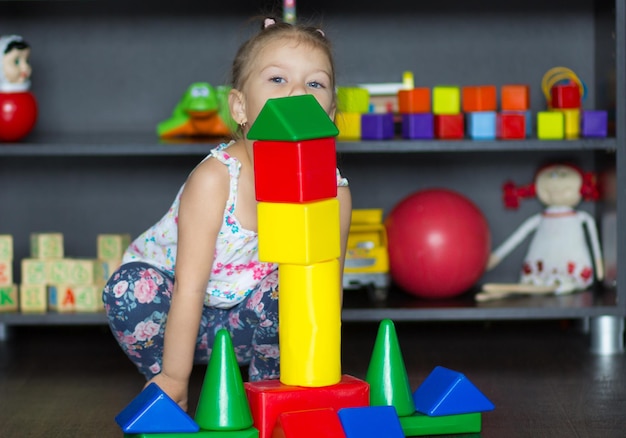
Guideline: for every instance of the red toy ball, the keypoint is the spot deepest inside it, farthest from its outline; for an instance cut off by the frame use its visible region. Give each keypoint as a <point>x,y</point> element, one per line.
<point>18,114</point>
<point>439,243</point>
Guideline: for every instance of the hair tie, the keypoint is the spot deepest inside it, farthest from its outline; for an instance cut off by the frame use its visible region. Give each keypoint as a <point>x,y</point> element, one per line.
<point>322,32</point>
<point>268,22</point>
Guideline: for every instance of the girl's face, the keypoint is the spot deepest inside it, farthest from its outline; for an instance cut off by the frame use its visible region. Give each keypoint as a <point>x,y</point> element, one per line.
<point>285,68</point>
<point>559,186</point>
<point>15,66</point>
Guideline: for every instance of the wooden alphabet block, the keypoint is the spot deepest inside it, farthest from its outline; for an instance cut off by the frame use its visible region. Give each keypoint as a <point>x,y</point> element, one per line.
<point>61,298</point>
<point>112,246</point>
<point>6,247</point>
<point>88,298</point>
<point>81,271</point>
<point>57,271</point>
<point>6,272</point>
<point>103,269</point>
<point>8,298</point>
<point>33,298</point>
<point>46,245</point>
<point>34,272</point>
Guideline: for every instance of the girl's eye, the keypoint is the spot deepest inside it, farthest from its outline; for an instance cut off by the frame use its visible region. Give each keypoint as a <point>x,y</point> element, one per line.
<point>315,84</point>
<point>277,80</point>
<point>17,61</point>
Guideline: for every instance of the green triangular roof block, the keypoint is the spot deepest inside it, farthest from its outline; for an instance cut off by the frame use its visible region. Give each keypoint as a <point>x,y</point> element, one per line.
<point>292,118</point>
<point>386,374</point>
<point>216,411</point>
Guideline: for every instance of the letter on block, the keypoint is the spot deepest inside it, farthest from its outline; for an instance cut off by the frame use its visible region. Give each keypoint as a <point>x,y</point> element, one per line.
<point>310,324</point>
<point>8,298</point>
<point>301,234</point>
<point>6,272</point>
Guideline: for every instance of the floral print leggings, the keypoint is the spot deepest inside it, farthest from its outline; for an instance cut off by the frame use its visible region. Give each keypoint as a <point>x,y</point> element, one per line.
<point>137,300</point>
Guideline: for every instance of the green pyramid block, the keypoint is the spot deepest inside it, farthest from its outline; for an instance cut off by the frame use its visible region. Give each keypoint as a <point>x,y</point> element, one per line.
<point>292,118</point>
<point>223,404</point>
<point>386,374</point>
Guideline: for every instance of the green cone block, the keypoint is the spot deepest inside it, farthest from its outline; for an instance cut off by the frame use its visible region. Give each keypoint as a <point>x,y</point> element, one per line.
<point>223,404</point>
<point>293,118</point>
<point>386,374</point>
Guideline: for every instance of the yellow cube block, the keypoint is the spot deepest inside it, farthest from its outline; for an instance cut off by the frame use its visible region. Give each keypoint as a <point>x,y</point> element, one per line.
<point>572,122</point>
<point>300,234</point>
<point>46,245</point>
<point>446,100</point>
<point>349,126</point>
<point>6,247</point>
<point>112,246</point>
<point>33,298</point>
<point>8,298</point>
<point>550,125</point>
<point>310,324</point>
<point>353,100</point>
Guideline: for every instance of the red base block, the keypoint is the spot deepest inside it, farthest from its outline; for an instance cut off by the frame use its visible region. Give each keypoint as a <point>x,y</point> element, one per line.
<point>511,126</point>
<point>270,398</point>
<point>449,126</point>
<point>314,423</point>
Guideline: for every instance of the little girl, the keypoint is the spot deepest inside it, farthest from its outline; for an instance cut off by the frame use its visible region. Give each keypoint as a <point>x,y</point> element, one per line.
<point>197,270</point>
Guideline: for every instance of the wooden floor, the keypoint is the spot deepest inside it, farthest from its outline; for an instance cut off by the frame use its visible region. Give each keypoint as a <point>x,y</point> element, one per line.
<point>72,381</point>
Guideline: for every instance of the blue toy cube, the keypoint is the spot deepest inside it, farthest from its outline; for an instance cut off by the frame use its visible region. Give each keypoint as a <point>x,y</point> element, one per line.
<point>375,126</point>
<point>594,124</point>
<point>418,126</point>
<point>481,125</point>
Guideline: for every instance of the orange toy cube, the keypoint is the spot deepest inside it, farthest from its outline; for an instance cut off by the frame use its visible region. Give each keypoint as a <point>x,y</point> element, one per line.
<point>515,97</point>
<point>479,98</point>
<point>314,423</point>
<point>270,398</point>
<point>414,101</point>
<point>295,171</point>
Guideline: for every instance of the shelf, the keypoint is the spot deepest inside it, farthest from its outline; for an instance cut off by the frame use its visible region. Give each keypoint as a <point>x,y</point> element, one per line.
<point>146,144</point>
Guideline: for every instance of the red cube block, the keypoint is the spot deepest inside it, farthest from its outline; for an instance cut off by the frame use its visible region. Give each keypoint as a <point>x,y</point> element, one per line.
<point>295,171</point>
<point>270,398</point>
<point>314,423</point>
<point>511,126</point>
<point>565,96</point>
<point>449,126</point>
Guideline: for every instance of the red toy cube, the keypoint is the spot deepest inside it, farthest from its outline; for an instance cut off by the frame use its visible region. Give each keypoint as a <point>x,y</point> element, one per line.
<point>270,398</point>
<point>565,96</point>
<point>449,126</point>
<point>295,172</point>
<point>314,423</point>
<point>511,126</point>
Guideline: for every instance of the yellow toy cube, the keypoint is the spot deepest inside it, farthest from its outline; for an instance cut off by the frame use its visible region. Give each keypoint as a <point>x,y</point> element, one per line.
<point>446,100</point>
<point>300,234</point>
<point>349,126</point>
<point>550,125</point>
<point>353,100</point>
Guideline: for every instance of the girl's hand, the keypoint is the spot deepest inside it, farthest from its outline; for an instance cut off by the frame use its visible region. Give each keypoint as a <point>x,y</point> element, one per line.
<point>176,389</point>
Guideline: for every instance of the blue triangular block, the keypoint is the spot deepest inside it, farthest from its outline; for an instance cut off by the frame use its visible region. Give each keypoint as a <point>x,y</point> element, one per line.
<point>371,422</point>
<point>447,392</point>
<point>153,411</point>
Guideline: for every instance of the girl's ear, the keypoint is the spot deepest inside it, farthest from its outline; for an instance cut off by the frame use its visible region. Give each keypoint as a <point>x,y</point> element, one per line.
<point>237,105</point>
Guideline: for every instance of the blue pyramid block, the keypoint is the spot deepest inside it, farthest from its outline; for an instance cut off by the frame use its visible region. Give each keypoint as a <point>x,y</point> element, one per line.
<point>153,411</point>
<point>447,392</point>
<point>371,422</point>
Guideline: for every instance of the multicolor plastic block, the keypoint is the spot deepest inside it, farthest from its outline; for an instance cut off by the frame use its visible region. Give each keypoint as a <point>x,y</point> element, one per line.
<point>594,123</point>
<point>353,100</point>
<point>349,126</point>
<point>310,321</point>
<point>414,101</point>
<point>375,126</point>
<point>296,172</point>
<point>270,398</point>
<point>565,96</point>
<point>313,423</point>
<point>301,234</point>
<point>153,411</point>
<point>481,125</point>
<point>483,98</point>
<point>448,392</point>
<point>450,126</point>
<point>511,126</point>
<point>371,422</point>
<point>446,100</point>
<point>419,424</point>
<point>515,97</point>
<point>550,125</point>
<point>292,118</point>
<point>418,126</point>
<point>8,298</point>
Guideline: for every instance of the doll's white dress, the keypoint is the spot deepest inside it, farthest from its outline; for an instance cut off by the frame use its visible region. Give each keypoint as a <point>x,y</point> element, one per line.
<point>559,254</point>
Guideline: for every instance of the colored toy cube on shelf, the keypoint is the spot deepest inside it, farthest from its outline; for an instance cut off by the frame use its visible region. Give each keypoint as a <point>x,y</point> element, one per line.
<point>418,126</point>
<point>446,100</point>
<point>34,271</point>
<point>479,98</point>
<point>594,124</point>
<point>312,423</point>
<point>376,126</point>
<point>295,172</point>
<point>88,298</point>
<point>57,271</point>
<point>46,245</point>
<point>353,100</point>
<point>571,119</point>
<point>6,247</point>
<point>481,125</point>
<point>33,298</point>
<point>8,298</point>
<point>550,125</point>
<point>419,424</point>
<point>6,272</point>
<point>515,98</point>
<point>301,234</point>
<point>112,246</point>
<point>565,96</point>
<point>511,125</point>
<point>450,126</point>
<point>371,422</point>
<point>61,298</point>
<point>310,352</point>
<point>270,398</point>
<point>415,100</point>
<point>81,271</point>
<point>349,126</point>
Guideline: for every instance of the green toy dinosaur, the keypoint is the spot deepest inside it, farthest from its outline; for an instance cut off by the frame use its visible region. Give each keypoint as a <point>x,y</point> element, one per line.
<point>202,111</point>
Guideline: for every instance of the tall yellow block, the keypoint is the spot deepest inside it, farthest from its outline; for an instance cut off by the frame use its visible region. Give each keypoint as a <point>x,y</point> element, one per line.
<point>572,122</point>
<point>310,324</point>
<point>301,234</point>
